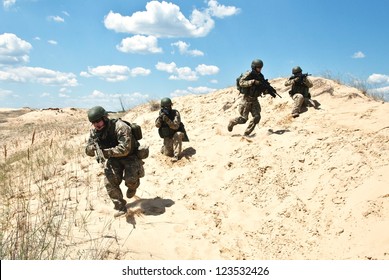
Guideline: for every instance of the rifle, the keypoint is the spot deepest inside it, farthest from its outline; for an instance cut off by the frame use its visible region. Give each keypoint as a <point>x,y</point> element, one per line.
<point>99,153</point>
<point>301,77</point>
<point>164,111</point>
<point>271,89</point>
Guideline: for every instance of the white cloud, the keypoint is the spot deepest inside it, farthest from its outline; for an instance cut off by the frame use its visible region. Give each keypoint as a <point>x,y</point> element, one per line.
<point>63,95</point>
<point>178,73</point>
<point>110,73</point>
<point>186,73</point>
<point>378,79</point>
<point>66,13</point>
<point>139,44</point>
<point>55,18</point>
<point>13,50</point>
<point>8,3</point>
<point>203,69</point>
<point>192,90</point>
<point>183,48</point>
<point>162,66</point>
<point>112,101</point>
<point>97,94</point>
<point>38,75</point>
<point>140,71</point>
<point>85,74</point>
<point>161,19</point>
<point>114,73</point>
<point>52,42</point>
<point>221,11</point>
<point>358,55</point>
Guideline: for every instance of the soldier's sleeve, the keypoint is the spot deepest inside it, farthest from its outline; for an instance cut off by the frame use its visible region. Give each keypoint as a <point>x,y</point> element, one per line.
<point>289,82</point>
<point>158,122</point>
<point>89,149</point>
<point>308,82</point>
<point>125,142</point>
<point>244,82</point>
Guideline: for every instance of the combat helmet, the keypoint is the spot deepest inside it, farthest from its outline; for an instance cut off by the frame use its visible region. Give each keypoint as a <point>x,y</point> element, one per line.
<point>256,63</point>
<point>166,102</point>
<point>96,113</point>
<point>297,70</point>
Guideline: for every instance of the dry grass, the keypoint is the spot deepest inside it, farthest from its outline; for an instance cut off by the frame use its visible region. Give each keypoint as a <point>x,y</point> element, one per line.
<point>357,83</point>
<point>38,210</point>
<point>154,105</point>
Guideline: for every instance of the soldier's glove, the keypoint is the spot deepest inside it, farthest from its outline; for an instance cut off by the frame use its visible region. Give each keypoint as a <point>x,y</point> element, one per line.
<point>107,153</point>
<point>256,82</point>
<point>165,118</point>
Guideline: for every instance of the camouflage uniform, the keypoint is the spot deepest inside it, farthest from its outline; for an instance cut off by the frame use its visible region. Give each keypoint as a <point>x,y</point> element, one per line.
<point>249,102</point>
<point>119,146</point>
<point>172,140</point>
<point>299,93</point>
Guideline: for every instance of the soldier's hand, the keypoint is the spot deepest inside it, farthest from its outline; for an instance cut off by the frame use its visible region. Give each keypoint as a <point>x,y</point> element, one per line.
<point>256,82</point>
<point>107,153</point>
<point>91,148</point>
<point>165,118</point>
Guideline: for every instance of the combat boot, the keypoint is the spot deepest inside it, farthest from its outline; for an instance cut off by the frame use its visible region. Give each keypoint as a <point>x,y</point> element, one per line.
<point>130,193</point>
<point>230,126</point>
<point>122,211</point>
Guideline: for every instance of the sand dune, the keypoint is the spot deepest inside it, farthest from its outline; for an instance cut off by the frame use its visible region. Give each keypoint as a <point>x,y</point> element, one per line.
<point>314,187</point>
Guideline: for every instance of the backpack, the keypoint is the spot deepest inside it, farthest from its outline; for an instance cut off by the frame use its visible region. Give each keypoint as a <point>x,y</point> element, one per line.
<point>141,151</point>
<point>135,129</point>
<point>238,87</point>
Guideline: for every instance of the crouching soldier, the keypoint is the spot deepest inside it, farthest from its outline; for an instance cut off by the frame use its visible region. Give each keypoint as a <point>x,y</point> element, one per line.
<point>300,90</point>
<point>171,129</point>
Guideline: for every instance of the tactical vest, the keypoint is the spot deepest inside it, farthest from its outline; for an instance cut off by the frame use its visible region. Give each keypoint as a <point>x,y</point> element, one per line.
<point>108,138</point>
<point>255,90</point>
<point>165,131</point>
<point>299,88</point>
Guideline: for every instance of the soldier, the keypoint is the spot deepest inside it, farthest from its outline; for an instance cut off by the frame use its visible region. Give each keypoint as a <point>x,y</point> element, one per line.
<point>118,144</point>
<point>300,90</point>
<point>171,129</point>
<point>252,85</point>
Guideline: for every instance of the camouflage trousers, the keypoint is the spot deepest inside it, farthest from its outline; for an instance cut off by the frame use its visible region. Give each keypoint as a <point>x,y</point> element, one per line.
<point>131,170</point>
<point>298,101</point>
<point>245,108</point>
<point>173,146</point>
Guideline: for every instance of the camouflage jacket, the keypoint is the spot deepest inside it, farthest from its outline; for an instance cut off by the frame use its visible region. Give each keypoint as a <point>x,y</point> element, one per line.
<point>247,82</point>
<point>116,139</point>
<point>172,121</point>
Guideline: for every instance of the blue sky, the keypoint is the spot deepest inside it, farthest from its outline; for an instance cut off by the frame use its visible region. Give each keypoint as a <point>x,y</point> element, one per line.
<point>82,53</point>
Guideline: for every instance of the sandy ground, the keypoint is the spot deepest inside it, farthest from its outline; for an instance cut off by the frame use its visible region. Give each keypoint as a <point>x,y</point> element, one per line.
<point>314,187</point>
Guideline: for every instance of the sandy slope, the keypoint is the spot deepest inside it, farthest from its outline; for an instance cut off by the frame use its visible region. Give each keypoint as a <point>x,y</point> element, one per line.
<point>315,187</point>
